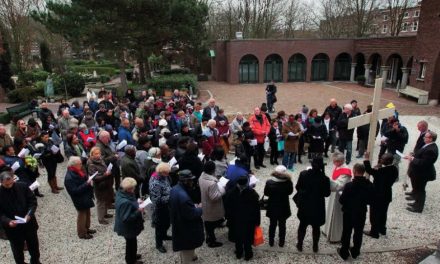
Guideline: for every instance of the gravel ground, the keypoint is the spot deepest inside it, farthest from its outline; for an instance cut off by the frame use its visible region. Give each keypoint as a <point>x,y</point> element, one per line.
<point>407,232</point>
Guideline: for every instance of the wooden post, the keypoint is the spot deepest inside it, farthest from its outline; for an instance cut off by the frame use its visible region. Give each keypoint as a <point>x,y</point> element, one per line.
<point>374,116</point>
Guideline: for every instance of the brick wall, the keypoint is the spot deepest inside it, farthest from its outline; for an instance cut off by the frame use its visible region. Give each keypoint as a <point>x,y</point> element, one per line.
<point>427,49</point>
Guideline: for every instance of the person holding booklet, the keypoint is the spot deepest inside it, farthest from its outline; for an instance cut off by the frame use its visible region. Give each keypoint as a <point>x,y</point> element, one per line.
<point>18,202</point>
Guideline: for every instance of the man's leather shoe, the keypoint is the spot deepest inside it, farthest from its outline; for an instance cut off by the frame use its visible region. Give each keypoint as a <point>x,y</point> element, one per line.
<point>344,257</point>
<point>108,216</point>
<point>411,209</point>
<point>138,256</point>
<point>410,198</point>
<point>353,254</point>
<point>412,204</point>
<point>263,166</point>
<point>86,236</point>
<point>161,249</point>
<point>215,244</point>
<point>370,234</point>
<point>409,193</point>
<point>167,237</point>
<point>91,231</point>
<point>104,222</point>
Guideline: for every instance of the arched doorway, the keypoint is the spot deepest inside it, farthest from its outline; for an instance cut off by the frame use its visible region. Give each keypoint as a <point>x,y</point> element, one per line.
<point>342,67</point>
<point>360,65</point>
<point>273,68</point>
<point>376,62</point>
<point>320,67</point>
<point>395,72</point>
<point>297,68</point>
<point>248,69</point>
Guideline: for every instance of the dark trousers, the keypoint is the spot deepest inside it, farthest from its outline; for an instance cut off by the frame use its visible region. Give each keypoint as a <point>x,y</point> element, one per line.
<point>302,229</point>
<point>300,147</point>
<point>281,229</point>
<point>130,250</point>
<point>161,225</point>
<point>419,193</point>
<point>210,227</point>
<point>259,154</point>
<point>383,149</point>
<point>51,169</point>
<point>29,236</point>
<point>273,153</point>
<point>243,240</point>
<point>352,223</point>
<point>378,217</point>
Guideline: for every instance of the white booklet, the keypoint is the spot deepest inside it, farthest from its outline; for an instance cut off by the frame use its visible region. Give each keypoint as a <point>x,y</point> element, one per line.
<point>222,182</point>
<point>109,167</point>
<point>145,203</point>
<point>253,142</point>
<point>93,175</point>
<point>15,166</point>
<point>34,185</point>
<point>37,155</point>
<point>172,162</point>
<point>54,149</point>
<point>20,220</point>
<point>84,154</point>
<point>253,180</point>
<point>121,144</point>
<point>23,153</point>
<point>201,156</point>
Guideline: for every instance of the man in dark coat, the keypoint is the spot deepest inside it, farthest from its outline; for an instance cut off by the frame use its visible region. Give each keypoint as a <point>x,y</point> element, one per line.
<point>242,211</point>
<point>422,126</point>
<point>271,98</point>
<point>44,114</point>
<point>335,111</point>
<point>421,170</point>
<point>16,199</point>
<point>80,189</point>
<point>186,218</point>
<point>345,134</point>
<point>210,112</point>
<point>130,168</point>
<point>354,199</point>
<point>312,188</point>
<point>103,143</point>
<point>397,137</point>
<point>384,178</point>
<point>128,219</point>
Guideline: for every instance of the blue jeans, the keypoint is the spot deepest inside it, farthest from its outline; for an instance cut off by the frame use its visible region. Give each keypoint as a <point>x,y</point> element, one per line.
<point>289,159</point>
<point>346,145</point>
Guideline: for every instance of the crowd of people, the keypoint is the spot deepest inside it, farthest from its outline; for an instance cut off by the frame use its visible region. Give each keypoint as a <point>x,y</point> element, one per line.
<point>125,153</point>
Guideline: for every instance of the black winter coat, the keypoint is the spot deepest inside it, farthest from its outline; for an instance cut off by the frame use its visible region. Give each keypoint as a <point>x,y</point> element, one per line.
<point>242,209</point>
<point>312,188</point>
<point>342,124</point>
<point>278,191</point>
<point>19,200</point>
<point>186,220</point>
<point>396,140</point>
<point>79,190</point>
<point>384,178</point>
<point>355,197</point>
<point>128,220</point>
<point>318,134</point>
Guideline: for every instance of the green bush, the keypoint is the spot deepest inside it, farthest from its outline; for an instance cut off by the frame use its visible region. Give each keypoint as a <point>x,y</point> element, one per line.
<point>25,94</point>
<point>174,71</point>
<point>73,82</point>
<point>40,85</point>
<point>104,78</point>
<point>27,78</point>
<point>174,81</point>
<point>110,71</point>
<point>5,118</point>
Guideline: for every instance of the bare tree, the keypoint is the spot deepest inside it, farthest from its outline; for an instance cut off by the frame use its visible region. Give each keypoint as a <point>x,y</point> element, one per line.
<point>15,18</point>
<point>362,12</point>
<point>396,13</point>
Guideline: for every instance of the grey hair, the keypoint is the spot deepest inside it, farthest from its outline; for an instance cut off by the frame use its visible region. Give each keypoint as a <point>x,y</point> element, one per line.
<point>338,156</point>
<point>73,160</point>
<point>6,175</point>
<point>129,148</point>
<point>433,135</point>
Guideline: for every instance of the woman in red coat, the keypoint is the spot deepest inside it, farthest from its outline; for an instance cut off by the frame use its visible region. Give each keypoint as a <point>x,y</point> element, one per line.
<point>222,126</point>
<point>260,127</point>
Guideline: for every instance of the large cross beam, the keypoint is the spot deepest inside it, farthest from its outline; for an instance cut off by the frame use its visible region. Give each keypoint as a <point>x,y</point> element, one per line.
<point>373,117</point>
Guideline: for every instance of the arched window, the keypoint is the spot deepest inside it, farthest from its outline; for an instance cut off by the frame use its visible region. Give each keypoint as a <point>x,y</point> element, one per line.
<point>248,69</point>
<point>273,68</point>
<point>342,67</point>
<point>320,67</point>
<point>297,68</point>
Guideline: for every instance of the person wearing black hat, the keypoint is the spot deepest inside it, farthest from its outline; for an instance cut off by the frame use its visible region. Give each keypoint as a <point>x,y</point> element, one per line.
<point>312,188</point>
<point>186,218</point>
<point>242,211</point>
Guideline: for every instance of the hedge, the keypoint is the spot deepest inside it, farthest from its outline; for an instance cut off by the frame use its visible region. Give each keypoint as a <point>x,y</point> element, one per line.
<point>174,71</point>
<point>110,71</point>
<point>174,81</point>
<point>27,78</point>
<point>5,118</point>
<point>25,94</point>
<point>73,82</point>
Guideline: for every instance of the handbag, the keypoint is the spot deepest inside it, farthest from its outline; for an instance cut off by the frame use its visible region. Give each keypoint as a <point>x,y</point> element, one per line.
<point>263,203</point>
<point>58,157</point>
<point>258,236</point>
<point>281,145</point>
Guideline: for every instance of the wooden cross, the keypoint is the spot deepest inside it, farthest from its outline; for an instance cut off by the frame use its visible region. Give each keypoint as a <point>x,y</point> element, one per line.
<point>373,117</point>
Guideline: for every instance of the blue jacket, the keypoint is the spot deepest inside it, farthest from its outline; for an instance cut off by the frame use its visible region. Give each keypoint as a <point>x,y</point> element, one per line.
<point>78,189</point>
<point>128,220</point>
<point>186,220</point>
<point>124,133</point>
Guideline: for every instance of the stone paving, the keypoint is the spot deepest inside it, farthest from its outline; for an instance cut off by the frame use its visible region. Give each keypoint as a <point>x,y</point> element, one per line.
<point>408,233</point>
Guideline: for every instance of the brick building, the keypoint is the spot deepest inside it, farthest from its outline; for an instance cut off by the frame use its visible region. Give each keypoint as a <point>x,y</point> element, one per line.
<point>412,60</point>
<point>410,21</point>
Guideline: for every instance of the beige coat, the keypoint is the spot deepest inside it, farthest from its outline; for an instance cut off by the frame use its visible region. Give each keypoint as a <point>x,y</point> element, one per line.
<point>291,142</point>
<point>212,202</point>
<point>333,222</point>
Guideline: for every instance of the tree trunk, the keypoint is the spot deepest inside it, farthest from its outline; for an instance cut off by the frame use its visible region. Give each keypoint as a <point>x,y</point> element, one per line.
<point>121,63</point>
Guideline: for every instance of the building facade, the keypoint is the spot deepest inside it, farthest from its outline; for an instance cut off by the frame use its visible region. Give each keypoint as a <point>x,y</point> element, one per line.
<point>410,60</point>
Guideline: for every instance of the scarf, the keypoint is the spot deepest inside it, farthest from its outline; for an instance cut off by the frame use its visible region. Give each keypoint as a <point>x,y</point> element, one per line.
<point>80,172</point>
<point>338,171</point>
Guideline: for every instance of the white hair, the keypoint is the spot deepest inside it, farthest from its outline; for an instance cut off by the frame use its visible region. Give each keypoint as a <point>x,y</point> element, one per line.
<point>348,107</point>
<point>73,160</point>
